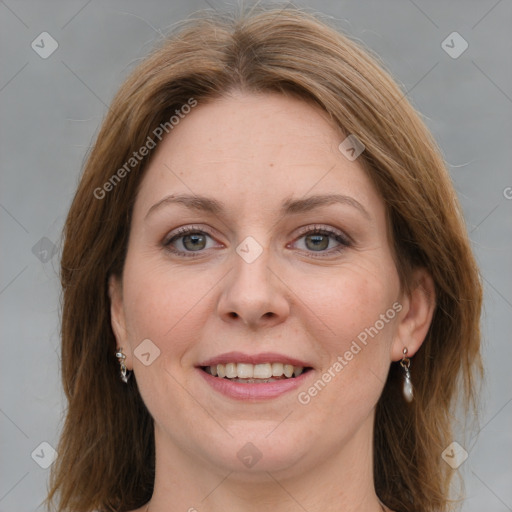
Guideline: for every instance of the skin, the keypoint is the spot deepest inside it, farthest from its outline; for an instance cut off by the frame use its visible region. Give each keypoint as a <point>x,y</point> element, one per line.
<point>251,153</point>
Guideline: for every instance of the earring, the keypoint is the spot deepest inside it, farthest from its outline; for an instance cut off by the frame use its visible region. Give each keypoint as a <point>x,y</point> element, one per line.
<point>124,371</point>
<point>405,363</point>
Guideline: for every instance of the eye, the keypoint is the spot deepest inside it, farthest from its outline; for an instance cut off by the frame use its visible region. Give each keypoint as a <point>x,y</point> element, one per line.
<point>322,239</point>
<point>188,240</point>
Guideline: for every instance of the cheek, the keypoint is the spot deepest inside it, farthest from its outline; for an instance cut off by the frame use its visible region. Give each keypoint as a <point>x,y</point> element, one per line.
<point>350,302</point>
<point>169,310</point>
<point>163,306</point>
<point>353,319</point>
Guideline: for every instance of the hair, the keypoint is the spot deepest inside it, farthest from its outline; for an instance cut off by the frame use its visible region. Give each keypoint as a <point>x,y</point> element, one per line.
<point>106,452</point>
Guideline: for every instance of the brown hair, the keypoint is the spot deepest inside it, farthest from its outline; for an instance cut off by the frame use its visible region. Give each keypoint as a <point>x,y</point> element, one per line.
<point>106,451</point>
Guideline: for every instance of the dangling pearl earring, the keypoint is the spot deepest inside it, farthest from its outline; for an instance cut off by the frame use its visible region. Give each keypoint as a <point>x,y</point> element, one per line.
<point>405,363</point>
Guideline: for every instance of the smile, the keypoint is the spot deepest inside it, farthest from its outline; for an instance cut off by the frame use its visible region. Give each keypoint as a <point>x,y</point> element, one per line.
<point>255,373</point>
<point>256,377</point>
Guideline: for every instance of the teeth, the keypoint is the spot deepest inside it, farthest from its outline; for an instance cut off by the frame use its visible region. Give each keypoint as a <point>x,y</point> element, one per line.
<point>262,371</point>
<point>254,371</point>
<point>231,371</point>
<point>245,371</point>
<point>277,369</point>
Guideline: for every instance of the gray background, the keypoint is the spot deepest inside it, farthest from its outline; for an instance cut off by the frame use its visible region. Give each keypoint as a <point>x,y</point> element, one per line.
<point>52,108</point>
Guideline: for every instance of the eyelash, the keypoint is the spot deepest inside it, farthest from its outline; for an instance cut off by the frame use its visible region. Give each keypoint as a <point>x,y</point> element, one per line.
<point>342,239</point>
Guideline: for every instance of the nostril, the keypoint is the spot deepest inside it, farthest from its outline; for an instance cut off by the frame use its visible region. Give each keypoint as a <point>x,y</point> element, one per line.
<point>233,314</point>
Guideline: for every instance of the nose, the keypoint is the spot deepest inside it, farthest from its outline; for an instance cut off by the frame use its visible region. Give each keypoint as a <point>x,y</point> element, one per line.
<point>253,294</point>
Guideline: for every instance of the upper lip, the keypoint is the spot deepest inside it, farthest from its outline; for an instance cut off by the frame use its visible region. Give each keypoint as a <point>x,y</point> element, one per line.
<point>263,357</point>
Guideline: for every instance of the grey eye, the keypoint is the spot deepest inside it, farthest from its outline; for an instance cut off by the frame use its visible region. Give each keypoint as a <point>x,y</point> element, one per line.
<point>194,242</point>
<point>317,242</point>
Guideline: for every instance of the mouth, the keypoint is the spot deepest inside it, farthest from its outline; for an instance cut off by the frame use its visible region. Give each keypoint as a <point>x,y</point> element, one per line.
<point>255,373</point>
<point>258,377</point>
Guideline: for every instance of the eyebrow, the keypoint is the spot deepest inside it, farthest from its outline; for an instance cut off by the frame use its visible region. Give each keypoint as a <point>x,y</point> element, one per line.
<point>290,206</point>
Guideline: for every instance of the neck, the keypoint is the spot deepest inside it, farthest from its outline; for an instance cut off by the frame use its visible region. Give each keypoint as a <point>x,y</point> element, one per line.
<point>341,481</point>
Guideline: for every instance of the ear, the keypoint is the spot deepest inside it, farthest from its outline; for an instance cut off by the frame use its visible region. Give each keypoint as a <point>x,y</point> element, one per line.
<point>416,316</point>
<point>117,316</point>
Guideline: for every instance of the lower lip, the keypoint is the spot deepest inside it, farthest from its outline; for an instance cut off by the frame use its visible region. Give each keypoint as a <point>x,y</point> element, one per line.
<point>253,391</point>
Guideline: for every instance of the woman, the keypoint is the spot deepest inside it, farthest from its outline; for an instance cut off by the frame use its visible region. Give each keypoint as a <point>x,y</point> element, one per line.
<point>269,293</point>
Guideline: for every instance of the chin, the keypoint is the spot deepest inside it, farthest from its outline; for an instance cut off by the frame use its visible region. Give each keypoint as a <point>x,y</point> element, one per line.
<point>251,454</point>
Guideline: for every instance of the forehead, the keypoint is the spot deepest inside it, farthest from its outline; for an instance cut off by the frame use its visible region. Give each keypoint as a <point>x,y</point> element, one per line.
<point>254,150</point>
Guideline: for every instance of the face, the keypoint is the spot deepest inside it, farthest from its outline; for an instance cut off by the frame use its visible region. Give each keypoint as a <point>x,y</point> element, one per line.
<point>257,249</point>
